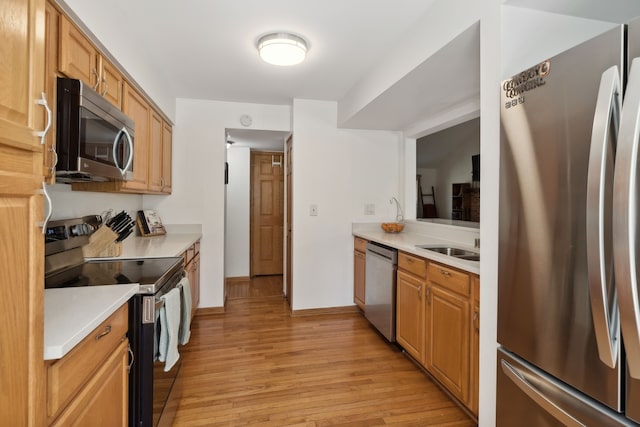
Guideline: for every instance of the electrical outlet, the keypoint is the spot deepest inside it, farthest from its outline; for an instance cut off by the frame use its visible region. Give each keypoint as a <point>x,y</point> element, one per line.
<point>369,209</point>
<point>313,210</point>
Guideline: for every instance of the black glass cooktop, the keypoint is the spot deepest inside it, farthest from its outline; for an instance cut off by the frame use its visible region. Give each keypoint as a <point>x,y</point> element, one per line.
<point>152,272</point>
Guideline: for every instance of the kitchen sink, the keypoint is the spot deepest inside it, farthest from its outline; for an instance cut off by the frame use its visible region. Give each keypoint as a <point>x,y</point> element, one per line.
<point>452,251</point>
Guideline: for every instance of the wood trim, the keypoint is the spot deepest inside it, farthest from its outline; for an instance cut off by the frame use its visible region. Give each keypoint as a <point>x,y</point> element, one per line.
<point>207,311</point>
<point>237,279</point>
<point>327,310</point>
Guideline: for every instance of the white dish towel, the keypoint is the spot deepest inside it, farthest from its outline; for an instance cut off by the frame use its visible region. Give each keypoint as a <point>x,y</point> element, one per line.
<point>169,326</point>
<point>185,324</point>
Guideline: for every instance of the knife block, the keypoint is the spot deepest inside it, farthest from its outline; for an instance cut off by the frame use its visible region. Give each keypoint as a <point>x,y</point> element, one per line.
<point>102,244</point>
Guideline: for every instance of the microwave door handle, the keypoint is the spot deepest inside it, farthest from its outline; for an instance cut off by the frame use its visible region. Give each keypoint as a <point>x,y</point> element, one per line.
<point>116,143</point>
<point>130,143</point>
<point>625,211</point>
<point>603,145</point>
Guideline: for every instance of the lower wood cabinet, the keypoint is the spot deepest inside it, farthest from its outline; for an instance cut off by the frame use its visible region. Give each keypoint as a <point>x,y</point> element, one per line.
<point>447,350</point>
<point>192,268</point>
<point>359,271</point>
<point>410,310</point>
<point>437,323</point>
<point>89,385</point>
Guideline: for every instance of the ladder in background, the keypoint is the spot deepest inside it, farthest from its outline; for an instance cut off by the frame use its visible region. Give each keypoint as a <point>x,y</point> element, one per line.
<point>427,210</point>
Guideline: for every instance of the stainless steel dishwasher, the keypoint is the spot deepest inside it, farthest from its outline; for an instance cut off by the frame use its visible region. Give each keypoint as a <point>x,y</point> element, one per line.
<point>380,292</point>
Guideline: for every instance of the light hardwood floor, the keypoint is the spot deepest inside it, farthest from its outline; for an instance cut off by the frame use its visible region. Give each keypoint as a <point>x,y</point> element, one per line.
<point>257,366</point>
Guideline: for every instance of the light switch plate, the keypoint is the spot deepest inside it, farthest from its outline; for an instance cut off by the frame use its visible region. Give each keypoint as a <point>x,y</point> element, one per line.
<point>313,210</point>
<point>369,209</point>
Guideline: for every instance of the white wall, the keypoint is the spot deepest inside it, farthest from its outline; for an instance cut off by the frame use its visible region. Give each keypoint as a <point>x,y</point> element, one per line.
<point>75,204</point>
<point>340,171</point>
<point>237,242</point>
<point>199,153</point>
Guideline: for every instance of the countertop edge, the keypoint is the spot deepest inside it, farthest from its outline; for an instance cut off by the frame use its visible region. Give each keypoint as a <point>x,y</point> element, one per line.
<point>396,240</point>
<point>56,347</point>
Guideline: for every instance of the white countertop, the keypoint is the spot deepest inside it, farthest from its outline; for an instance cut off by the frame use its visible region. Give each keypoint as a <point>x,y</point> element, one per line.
<point>424,234</point>
<point>167,245</point>
<point>70,314</point>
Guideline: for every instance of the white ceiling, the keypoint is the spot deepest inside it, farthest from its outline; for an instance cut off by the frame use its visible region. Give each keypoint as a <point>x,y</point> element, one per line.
<point>207,48</point>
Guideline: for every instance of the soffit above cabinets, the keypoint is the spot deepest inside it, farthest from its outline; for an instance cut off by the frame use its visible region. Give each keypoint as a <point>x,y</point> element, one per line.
<point>618,11</point>
<point>441,89</point>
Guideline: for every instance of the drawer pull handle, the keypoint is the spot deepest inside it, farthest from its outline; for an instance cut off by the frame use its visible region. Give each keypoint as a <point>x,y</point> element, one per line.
<point>106,332</point>
<point>476,317</point>
<point>420,291</point>
<point>445,273</point>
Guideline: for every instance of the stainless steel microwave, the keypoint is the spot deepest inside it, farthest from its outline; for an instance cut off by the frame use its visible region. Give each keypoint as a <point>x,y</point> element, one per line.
<point>94,140</point>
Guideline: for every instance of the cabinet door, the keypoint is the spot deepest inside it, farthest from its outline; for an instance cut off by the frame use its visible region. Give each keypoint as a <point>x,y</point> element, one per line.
<point>359,269</point>
<point>167,157</point>
<point>138,109</point>
<point>475,345</point>
<point>78,59</point>
<point>21,245</point>
<point>51,23</point>
<point>22,76</point>
<point>155,153</point>
<point>410,315</point>
<point>104,401</point>
<point>193,274</point>
<point>111,83</point>
<point>447,346</point>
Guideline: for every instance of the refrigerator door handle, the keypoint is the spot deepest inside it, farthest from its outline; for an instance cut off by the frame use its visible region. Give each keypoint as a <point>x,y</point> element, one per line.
<point>601,159</point>
<point>540,399</point>
<point>625,209</point>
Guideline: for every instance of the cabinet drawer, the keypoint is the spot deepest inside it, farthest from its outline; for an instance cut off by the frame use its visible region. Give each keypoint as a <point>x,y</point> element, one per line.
<point>449,278</point>
<point>360,244</point>
<point>412,264</point>
<point>67,375</point>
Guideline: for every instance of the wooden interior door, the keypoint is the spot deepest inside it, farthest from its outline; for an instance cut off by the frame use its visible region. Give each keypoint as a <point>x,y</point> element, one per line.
<point>288,278</point>
<point>267,218</point>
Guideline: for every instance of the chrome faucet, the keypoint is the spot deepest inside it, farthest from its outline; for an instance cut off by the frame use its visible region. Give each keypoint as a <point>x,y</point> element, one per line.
<point>399,215</point>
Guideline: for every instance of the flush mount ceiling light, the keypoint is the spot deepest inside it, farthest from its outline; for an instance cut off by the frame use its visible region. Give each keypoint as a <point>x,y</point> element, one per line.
<point>282,49</point>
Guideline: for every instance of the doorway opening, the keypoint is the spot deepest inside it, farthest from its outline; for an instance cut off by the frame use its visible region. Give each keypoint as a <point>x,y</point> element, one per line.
<point>255,206</point>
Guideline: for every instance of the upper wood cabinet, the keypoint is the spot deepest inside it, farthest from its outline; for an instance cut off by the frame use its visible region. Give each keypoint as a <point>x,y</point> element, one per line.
<point>155,153</point>
<point>167,157</point>
<point>160,155</point>
<point>21,209</point>
<point>79,59</point>
<point>51,23</point>
<point>136,107</point>
<point>70,53</point>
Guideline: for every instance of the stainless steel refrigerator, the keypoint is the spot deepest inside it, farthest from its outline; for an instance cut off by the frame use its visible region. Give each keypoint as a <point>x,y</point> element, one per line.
<point>568,238</point>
